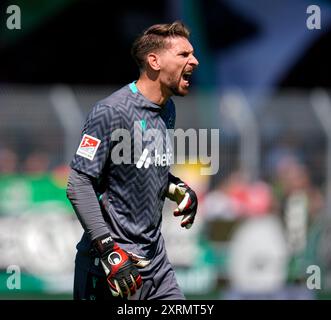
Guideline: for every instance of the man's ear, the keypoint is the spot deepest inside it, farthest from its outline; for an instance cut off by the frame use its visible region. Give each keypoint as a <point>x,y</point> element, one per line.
<point>154,61</point>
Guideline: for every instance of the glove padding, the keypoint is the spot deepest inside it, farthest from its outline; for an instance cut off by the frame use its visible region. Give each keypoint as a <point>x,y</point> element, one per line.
<point>122,274</point>
<point>187,202</point>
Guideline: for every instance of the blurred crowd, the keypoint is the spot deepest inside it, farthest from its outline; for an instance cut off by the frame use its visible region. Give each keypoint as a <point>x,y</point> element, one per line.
<point>34,163</point>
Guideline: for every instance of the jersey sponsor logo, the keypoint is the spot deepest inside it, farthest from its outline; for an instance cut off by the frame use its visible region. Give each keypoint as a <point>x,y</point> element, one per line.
<point>144,160</point>
<point>88,147</point>
<point>159,159</point>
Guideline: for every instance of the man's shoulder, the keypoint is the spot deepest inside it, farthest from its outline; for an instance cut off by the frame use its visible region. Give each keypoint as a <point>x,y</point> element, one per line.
<point>111,105</point>
<point>117,99</point>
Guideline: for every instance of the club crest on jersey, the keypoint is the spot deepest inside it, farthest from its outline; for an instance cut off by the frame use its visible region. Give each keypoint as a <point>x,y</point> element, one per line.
<point>88,147</point>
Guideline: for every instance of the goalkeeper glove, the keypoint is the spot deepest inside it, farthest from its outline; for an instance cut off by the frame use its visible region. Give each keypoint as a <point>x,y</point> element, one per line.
<point>122,275</point>
<point>186,199</point>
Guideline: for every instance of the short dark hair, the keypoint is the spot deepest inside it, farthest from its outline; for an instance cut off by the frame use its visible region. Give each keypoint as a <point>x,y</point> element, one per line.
<point>153,39</point>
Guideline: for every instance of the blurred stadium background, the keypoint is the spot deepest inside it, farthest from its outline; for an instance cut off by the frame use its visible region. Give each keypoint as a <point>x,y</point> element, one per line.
<point>263,81</point>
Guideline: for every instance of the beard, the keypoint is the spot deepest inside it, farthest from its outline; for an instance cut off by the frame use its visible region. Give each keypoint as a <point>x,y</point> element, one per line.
<point>175,91</point>
<point>174,87</point>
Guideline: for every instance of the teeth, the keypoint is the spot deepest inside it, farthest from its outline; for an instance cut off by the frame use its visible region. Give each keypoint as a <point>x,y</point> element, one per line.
<point>187,75</point>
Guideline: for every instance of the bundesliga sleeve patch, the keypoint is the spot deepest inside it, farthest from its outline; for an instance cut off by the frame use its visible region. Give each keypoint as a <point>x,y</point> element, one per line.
<point>88,147</point>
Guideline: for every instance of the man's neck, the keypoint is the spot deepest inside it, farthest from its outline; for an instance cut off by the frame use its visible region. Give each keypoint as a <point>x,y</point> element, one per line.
<point>152,90</point>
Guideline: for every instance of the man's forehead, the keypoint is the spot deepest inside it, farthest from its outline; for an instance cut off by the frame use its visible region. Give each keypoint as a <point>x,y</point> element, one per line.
<point>179,44</point>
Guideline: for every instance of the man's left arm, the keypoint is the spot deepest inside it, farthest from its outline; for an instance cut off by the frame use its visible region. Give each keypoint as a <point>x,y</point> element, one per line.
<point>186,199</point>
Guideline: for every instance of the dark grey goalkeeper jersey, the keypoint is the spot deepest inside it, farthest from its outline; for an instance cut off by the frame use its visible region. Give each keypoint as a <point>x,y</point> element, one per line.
<point>132,193</point>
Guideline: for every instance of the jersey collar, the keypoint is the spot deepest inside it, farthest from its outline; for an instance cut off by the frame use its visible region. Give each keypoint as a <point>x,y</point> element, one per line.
<point>133,87</point>
<point>149,104</point>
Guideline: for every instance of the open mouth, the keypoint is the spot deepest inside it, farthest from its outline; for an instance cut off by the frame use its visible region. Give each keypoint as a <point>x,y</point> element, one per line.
<point>187,76</point>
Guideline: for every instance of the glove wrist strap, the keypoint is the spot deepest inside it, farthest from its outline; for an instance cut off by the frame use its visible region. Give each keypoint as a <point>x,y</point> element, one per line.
<point>104,244</point>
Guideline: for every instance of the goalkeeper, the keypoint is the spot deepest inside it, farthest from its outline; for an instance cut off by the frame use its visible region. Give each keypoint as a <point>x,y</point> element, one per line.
<point>122,252</point>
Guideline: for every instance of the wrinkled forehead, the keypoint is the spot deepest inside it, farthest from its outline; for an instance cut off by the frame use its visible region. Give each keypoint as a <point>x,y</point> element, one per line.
<point>177,44</point>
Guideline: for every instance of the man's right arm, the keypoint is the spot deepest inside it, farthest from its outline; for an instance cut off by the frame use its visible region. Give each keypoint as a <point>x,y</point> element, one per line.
<point>84,200</point>
<point>122,275</point>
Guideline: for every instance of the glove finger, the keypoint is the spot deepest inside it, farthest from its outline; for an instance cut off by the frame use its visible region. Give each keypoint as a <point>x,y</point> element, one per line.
<point>114,293</point>
<point>185,212</point>
<point>115,289</point>
<point>138,261</point>
<point>177,213</point>
<point>127,291</point>
<point>142,263</point>
<point>183,206</point>
<point>185,202</point>
<point>138,280</point>
<point>187,221</point>
<point>134,285</point>
<point>125,285</point>
<point>131,286</point>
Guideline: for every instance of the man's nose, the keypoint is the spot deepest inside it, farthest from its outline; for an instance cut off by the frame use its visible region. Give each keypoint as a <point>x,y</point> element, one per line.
<point>194,61</point>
